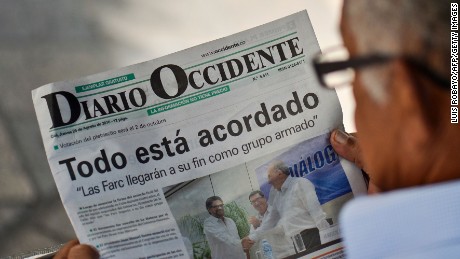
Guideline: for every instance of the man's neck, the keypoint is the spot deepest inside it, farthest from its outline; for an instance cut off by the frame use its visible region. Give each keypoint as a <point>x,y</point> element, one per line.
<point>262,214</point>
<point>280,184</point>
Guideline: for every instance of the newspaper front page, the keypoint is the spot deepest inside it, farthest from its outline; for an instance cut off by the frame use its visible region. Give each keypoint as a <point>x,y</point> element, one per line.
<point>136,152</point>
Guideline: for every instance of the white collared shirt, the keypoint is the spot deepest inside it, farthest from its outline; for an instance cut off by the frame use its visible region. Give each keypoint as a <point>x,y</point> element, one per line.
<point>419,222</point>
<point>282,245</point>
<point>223,238</point>
<point>296,208</point>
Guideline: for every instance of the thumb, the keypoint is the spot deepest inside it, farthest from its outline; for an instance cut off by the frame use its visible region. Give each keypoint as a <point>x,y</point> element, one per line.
<point>83,251</point>
<point>347,146</point>
<point>73,250</point>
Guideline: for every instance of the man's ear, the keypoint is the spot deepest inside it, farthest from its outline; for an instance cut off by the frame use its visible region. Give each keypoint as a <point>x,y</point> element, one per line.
<point>413,102</point>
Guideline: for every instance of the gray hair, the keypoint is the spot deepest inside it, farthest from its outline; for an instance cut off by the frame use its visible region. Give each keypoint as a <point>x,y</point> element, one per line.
<point>280,165</point>
<point>415,28</point>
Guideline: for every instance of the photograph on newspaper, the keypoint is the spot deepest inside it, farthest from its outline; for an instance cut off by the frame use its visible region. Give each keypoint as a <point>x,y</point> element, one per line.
<point>216,211</point>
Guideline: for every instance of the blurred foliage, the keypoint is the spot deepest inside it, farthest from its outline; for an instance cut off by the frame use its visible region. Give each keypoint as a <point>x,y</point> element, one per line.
<point>192,227</point>
<point>240,216</point>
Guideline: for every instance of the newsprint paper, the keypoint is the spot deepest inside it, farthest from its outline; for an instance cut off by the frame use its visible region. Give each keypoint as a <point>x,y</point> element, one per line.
<point>136,152</point>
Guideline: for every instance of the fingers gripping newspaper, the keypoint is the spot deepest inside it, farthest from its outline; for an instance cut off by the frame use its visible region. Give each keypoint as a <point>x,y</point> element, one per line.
<point>136,152</point>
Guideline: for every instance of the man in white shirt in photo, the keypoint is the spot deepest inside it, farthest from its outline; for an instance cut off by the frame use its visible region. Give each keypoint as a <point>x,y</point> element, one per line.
<point>221,232</point>
<point>281,244</point>
<point>296,209</point>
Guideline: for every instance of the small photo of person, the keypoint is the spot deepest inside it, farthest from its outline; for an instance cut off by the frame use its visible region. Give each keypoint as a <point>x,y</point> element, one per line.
<point>282,246</point>
<point>221,232</point>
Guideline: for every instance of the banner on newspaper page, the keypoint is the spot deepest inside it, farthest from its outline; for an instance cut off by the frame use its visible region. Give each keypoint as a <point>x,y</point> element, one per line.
<point>122,143</point>
<point>315,160</point>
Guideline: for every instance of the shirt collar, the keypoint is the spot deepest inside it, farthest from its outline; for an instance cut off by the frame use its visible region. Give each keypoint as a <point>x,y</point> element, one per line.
<point>286,184</point>
<point>269,208</point>
<point>217,219</point>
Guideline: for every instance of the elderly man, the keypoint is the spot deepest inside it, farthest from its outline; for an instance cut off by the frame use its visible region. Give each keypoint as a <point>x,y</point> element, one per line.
<point>400,52</point>
<point>221,232</point>
<point>281,245</point>
<point>296,209</point>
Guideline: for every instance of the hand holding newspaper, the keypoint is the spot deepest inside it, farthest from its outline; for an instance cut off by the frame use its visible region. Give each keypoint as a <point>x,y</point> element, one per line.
<point>136,150</point>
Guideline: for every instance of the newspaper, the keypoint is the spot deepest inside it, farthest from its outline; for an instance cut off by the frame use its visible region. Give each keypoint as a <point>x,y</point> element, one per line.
<point>135,152</point>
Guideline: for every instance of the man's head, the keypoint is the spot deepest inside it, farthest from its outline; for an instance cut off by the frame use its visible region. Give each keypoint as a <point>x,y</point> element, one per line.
<point>277,173</point>
<point>215,206</point>
<point>402,114</point>
<point>258,201</point>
